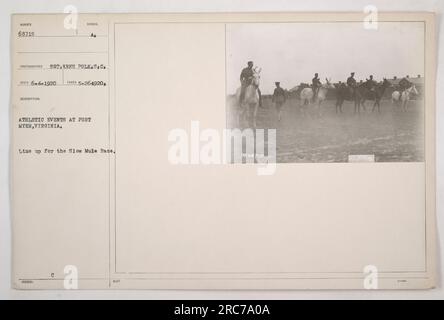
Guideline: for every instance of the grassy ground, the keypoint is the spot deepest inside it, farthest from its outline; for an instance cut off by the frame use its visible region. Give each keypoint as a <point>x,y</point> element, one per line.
<point>391,135</point>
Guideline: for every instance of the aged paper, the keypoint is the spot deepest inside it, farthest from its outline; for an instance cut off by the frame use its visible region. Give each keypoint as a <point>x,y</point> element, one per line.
<point>127,170</point>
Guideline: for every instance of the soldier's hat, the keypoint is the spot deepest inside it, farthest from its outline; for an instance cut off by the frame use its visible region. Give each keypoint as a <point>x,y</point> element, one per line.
<point>277,82</point>
<point>250,62</point>
<point>352,73</point>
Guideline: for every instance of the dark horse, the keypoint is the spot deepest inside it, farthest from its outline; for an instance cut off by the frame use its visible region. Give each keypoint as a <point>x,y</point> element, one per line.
<point>360,94</point>
<point>343,92</point>
<point>375,94</point>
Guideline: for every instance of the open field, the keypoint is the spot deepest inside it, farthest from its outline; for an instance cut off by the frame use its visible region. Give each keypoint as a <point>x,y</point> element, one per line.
<point>391,135</point>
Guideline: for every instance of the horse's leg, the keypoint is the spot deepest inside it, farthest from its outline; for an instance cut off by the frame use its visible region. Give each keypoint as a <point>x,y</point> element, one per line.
<point>363,104</point>
<point>245,111</point>
<point>278,110</point>
<point>245,114</point>
<point>338,105</point>
<point>239,116</point>
<point>358,105</point>
<point>302,107</point>
<point>402,102</point>
<point>254,114</point>
<point>374,106</point>
<point>357,99</point>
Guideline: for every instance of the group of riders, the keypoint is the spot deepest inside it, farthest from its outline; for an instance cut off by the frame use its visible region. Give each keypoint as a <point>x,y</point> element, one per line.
<point>370,84</point>
<point>351,84</point>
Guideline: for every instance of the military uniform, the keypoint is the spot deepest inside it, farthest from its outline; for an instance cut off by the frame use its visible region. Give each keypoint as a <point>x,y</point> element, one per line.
<point>404,84</point>
<point>351,83</point>
<point>246,76</point>
<point>279,96</point>
<point>315,84</point>
<point>371,84</point>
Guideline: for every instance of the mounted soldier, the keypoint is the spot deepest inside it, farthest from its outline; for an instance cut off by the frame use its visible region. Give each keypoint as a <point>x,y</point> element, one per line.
<point>246,78</point>
<point>404,84</point>
<point>351,84</point>
<point>315,85</point>
<point>370,83</point>
<point>402,94</point>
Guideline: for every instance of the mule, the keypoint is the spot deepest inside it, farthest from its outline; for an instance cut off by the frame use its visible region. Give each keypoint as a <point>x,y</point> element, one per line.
<point>307,95</point>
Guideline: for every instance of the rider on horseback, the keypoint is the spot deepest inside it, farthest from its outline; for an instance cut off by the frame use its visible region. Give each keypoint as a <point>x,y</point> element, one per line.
<point>246,78</point>
<point>403,85</point>
<point>315,84</point>
<point>370,83</point>
<point>351,83</point>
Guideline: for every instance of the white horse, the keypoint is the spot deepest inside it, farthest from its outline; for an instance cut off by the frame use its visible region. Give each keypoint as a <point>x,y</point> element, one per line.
<point>307,95</point>
<point>251,98</point>
<point>403,98</point>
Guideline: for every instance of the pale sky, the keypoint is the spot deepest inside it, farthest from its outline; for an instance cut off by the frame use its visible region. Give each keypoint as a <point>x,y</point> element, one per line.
<point>292,52</point>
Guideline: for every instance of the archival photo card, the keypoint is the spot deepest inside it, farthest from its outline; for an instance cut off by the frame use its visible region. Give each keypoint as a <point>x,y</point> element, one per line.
<point>223,151</point>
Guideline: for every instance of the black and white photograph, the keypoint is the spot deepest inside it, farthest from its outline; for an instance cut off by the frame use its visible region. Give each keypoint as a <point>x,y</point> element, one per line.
<point>334,91</point>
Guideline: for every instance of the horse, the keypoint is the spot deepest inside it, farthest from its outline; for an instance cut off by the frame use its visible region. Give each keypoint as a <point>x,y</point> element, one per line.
<point>375,94</point>
<point>344,93</point>
<point>404,97</point>
<point>307,95</point>
<point>251,98</point>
